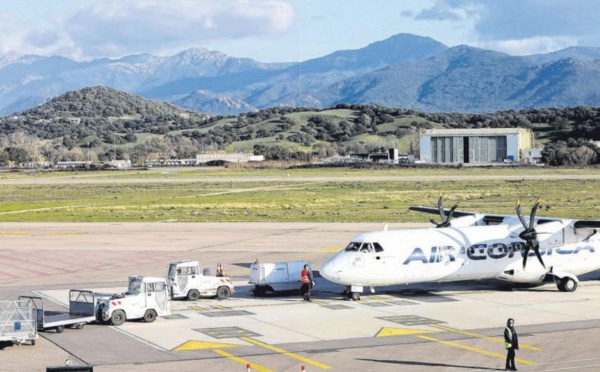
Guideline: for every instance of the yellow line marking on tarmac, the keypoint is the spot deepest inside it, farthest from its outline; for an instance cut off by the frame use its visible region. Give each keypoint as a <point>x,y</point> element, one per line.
<point>389,332</point>
<point>287,353</point>
<point>220,307</point>
<point>65,233</point>
<point>242,361</point>
<point>474,349</point>
<point>332,249</point>
<point>493,339</point>
<point>203,345</point>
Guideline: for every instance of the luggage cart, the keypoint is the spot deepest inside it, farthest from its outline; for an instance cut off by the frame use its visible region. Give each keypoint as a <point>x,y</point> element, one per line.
<point>81,311</point>
<point>18,321</point>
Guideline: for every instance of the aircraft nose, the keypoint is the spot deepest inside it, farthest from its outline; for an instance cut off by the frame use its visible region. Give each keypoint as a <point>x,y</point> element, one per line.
<point>329,270</point>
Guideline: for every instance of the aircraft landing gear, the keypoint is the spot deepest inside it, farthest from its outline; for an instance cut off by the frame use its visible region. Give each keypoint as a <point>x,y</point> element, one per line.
<point>351,296</point>
<point>567,284</point>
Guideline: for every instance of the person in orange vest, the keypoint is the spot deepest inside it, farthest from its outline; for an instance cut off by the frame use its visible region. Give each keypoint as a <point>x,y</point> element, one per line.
<point>306,280</point>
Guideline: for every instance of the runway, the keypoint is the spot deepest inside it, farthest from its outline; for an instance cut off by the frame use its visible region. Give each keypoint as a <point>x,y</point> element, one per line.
<point>407,328</point>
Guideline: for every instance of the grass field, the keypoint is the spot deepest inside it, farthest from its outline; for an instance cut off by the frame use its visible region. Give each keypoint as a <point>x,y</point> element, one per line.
<point>316,195</point>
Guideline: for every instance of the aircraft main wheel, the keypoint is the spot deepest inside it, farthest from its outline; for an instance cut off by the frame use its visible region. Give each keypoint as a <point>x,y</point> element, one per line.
<point>150,316</point>
<point>193,295</point>
<point>567,285</point>
<point>223,292</point>
<point>32,342</point>
<point>118,317</point>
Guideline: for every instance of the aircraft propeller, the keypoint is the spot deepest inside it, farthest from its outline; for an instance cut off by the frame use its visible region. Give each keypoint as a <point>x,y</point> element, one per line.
<point>529,234</point>
<point>445,217</point>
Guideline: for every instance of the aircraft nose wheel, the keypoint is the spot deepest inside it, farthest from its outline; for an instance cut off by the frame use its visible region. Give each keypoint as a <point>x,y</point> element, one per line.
<point>351,296</point>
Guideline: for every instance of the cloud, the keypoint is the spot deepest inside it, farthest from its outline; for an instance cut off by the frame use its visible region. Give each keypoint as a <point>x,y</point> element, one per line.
<point>522,25</point>
<point>117,28</point>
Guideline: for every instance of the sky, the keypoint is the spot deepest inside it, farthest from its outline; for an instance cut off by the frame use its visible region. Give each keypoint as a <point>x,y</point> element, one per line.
<point>287,30</point>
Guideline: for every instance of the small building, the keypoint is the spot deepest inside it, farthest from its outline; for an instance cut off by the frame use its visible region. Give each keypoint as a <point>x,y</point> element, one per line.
<point>229,157</point>
<point>390,156</point>
<point>486,145</point>
<point>73,164</point>
<point>118,164</point>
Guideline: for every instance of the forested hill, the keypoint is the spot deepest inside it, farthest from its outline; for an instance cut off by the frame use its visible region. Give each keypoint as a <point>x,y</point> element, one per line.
<point>97,111</point>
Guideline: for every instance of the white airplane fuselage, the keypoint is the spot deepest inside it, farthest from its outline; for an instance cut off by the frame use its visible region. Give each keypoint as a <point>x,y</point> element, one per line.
<point>461,253</point>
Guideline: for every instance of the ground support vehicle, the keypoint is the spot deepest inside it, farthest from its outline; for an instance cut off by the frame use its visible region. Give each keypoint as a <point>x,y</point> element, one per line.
<point>81,311</point>
<point>18,321</point>
<point>185,281</point>
<point>146,298</point>
<point>276,277</point>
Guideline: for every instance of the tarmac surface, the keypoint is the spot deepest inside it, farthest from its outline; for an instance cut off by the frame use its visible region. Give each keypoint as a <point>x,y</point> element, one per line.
<point>435,327</point>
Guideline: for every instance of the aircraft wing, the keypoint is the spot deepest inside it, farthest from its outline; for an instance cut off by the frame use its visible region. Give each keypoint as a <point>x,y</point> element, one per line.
<point>431,210</point>
<point>490,219</point>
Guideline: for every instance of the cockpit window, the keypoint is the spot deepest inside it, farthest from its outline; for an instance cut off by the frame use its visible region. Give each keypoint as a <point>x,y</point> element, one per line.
<point>366,248</point>
<point>363,247</point>
<point>353,247</point>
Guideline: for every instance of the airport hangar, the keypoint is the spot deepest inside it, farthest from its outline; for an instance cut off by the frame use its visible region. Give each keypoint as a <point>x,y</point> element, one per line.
<point>487,145</point>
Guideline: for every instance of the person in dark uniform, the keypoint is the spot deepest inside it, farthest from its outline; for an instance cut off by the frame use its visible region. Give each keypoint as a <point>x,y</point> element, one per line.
<point>511,343</point>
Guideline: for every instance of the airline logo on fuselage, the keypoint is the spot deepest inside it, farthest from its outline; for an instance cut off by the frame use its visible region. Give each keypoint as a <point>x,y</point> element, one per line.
<point>493,251</point>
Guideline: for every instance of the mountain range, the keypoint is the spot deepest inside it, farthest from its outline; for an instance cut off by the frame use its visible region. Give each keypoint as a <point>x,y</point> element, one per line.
<point>404,71</point>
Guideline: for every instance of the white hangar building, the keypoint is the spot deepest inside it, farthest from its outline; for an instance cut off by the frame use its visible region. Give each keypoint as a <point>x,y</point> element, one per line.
<point>487,145</point>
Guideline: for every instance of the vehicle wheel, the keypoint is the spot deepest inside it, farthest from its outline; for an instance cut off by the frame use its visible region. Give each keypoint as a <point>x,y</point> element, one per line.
<point>118,317</point>
<point>79,325</point>
<point>355,296</point>
<point>567,284</point>
<point>59,329</point>
<point>223,292</point>
<point>150,316</point>
<point>260,291</point>
<point>193,295</point>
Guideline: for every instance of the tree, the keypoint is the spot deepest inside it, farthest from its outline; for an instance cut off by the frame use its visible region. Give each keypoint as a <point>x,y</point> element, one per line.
<point>18,155</point>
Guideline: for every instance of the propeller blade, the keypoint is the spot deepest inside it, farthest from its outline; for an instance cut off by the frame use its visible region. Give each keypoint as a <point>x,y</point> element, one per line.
<point>539,256</point>
<point>520,214</point>
<point>533,213</point>
<point>525,254</point>
<point>440,206</point>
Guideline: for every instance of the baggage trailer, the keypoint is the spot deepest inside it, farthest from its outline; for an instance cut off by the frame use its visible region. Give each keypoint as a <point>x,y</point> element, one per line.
<point>18,321</point>
<point>81,311</point>
<point>276,277</point>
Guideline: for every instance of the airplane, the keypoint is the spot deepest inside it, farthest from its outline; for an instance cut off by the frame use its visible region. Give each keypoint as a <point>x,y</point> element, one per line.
<point>467,246</point>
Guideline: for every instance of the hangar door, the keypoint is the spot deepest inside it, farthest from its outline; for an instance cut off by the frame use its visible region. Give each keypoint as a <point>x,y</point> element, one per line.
<point>487,149</point>
<point>468,149</point>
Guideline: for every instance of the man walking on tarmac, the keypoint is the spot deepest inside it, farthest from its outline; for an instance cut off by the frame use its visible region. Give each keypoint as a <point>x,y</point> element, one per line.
<point>306,279</point>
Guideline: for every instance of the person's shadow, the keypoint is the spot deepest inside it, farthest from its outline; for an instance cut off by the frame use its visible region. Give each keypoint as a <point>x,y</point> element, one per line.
<point>425,364</point>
